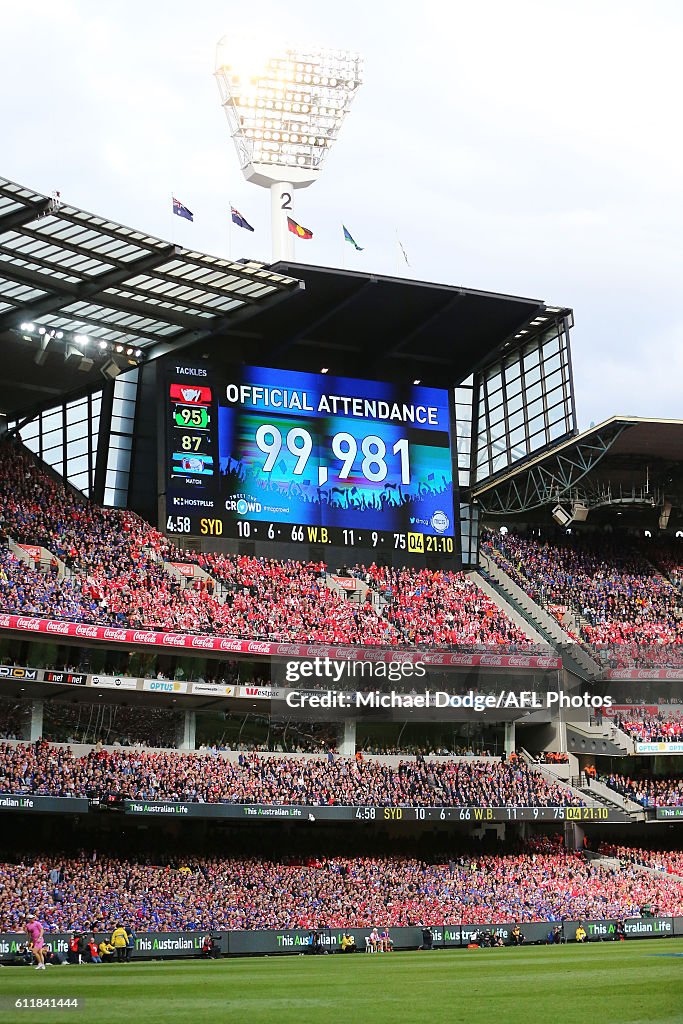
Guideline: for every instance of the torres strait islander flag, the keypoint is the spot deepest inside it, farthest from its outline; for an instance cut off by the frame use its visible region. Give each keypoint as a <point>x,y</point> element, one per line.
<point>298,230</point>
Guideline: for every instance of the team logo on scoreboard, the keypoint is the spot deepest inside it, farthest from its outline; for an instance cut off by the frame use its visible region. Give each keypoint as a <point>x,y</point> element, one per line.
<point>440,521</point>
<point>192,465</point>
<point>190,395</point>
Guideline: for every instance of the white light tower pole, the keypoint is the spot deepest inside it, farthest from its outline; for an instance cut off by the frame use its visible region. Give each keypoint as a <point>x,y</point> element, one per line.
<point>284,109</point>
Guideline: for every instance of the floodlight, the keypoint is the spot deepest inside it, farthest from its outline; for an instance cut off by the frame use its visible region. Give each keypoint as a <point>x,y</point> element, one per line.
<point>285,106</point>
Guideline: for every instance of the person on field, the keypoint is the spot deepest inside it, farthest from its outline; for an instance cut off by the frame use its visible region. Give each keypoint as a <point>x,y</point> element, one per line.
<point>36,943</point>
<point>94,951</point>
<point>107,952</point>
<point>119,940</point>
<point>580,935</point>
<point>130,943</point>
<point>73,949</point>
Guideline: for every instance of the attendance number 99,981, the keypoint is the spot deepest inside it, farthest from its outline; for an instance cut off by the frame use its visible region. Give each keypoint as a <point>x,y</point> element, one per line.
<point>345,449</point>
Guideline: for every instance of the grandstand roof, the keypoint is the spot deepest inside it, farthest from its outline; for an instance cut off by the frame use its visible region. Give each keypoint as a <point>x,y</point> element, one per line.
<point>626,462</point>
<point>368,325</point>
<point>78,273</point>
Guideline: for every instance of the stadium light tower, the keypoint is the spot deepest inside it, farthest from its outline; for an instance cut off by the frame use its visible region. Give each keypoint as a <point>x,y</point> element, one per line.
<point>285,107</point>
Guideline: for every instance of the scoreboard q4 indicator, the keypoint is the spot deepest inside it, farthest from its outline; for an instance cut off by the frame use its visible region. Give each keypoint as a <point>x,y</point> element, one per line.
<point>289,456</point>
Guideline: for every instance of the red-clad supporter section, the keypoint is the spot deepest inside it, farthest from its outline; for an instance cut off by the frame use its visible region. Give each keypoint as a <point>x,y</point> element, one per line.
<point>650,725</point>
<point>234,645</point>
<point>120,590</point>
<point>435,606</point>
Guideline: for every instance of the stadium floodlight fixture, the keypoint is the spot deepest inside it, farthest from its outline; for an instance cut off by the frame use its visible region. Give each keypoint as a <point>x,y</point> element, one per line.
<point>285,106</point>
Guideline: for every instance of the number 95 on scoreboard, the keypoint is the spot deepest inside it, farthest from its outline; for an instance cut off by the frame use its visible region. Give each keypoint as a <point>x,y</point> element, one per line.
<point>283,455</point>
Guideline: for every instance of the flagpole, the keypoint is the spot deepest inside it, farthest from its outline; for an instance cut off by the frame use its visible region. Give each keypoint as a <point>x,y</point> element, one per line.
<point>230,236</point>
<point>343,240</point>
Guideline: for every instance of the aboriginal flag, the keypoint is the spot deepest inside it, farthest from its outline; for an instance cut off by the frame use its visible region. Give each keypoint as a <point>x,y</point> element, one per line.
<point>298,230</point>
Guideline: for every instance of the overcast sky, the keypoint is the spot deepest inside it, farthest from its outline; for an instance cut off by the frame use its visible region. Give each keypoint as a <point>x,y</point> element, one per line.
<point>526,147</point>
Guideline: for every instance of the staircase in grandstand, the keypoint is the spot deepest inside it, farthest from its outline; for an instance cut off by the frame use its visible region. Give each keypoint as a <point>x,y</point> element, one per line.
<point>590,791</point>
<point>596,790</point>
<point>579,660</point>
<point>39,557</point>
<point>555,774</point>
<point>190,574</point>
<point>508,609</point>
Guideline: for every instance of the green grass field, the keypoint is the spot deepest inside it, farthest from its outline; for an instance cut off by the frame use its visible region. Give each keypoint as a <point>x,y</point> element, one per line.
<point>610,983</point>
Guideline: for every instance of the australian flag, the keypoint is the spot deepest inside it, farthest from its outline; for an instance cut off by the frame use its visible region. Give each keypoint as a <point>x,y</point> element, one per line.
<point>182,211</point>
<point>239,220</point>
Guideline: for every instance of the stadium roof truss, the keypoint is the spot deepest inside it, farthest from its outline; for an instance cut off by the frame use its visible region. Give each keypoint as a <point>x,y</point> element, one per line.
<point>553,478</point>
<point>625,460</point>
<point>64,269</point>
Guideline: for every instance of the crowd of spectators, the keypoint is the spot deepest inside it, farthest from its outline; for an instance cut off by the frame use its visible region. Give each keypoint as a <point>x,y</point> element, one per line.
<point>26,590</point>
<point>668,861</point>
<point>552,757</point>
<point>647,728</point>
<point>650,791</point>
<point>426,749</point>
<point>95,893</point>
<point>119,577</point>
<point>289,600</point>
<point>110,724</point>
<point>43,769</point>
<point>619,597</point>
<point>13,718</point>
<point>434,606</point>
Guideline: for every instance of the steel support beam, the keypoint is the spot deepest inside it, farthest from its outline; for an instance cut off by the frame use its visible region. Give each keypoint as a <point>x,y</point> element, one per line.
<point>62,293</point>
<point>553,480</point>
<point>17,218</point>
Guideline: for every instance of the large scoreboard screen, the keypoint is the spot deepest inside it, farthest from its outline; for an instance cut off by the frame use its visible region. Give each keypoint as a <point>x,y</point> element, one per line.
<point>279,455</point>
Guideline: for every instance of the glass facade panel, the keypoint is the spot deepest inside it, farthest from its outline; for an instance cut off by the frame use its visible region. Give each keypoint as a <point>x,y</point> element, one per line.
<point>532,410</point>
<point>72,452</point>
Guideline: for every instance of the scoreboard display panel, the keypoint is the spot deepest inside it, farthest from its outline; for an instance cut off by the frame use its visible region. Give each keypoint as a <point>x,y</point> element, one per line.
<point>282,455</point>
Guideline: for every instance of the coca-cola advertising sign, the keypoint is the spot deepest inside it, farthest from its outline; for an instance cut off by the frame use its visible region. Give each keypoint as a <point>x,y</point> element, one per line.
<point>150,637</point>
<point>184,568</point>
